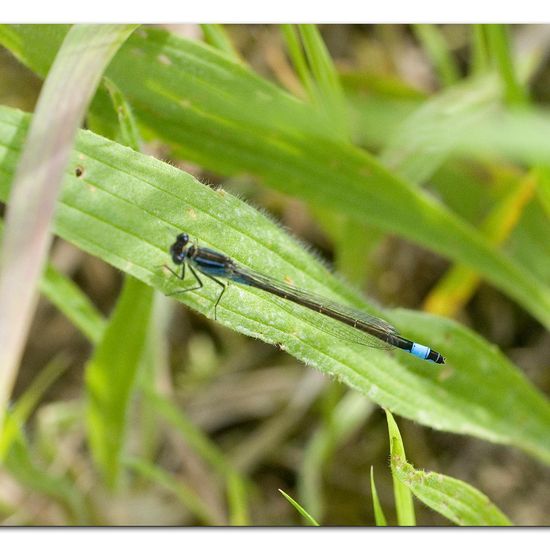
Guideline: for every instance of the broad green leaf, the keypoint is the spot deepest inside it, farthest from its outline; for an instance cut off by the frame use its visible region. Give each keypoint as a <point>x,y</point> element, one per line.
<point>126,208</point>
<point>304,513</point>
<point>452,498</point>
<point>111,374</point>
<point>403,497</point>
<point>212,112</point>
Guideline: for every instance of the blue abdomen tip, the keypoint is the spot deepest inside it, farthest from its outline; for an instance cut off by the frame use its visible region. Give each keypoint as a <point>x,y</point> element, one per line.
<point>418,350</point>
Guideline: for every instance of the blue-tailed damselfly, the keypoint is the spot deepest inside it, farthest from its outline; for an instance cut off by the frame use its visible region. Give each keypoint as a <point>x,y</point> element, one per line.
<point>216,265</point>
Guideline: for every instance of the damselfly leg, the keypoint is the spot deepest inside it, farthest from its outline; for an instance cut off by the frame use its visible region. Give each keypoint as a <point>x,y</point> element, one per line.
<point>224,287</point>
<point>198,286</point>
<point>182,277</point>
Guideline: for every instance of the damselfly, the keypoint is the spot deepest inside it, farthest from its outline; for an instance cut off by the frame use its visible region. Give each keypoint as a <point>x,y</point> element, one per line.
<point>215,266</point>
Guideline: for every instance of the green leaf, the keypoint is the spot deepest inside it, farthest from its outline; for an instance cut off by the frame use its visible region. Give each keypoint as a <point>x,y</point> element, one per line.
<point>452,498</point>
<point>301,510</point>
<point>403,497</point>
<point>226,107</point>
<point>379,516</point>
<point>127,209</point>
<point>110,377</point>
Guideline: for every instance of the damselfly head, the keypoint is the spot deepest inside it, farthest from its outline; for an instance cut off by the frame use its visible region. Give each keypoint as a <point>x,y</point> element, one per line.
<point>177,250</point>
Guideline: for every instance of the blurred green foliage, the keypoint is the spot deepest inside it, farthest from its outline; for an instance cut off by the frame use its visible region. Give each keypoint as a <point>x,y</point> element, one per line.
<point>370,159</point>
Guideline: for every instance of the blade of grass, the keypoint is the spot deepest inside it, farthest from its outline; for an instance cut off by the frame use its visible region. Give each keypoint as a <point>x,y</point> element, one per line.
<point>330,94</point>
<point>110,377</point>
<point>294,47</point>
<point>479,63</point>
<point>70,85</point>
<point>127,209</point>
<point>129,133</point>
<point>435,45</point>
<point>309,519</point>
<point>217,36</point>
<point>499,47</point>
<point>239,514</point>
<point>155,374</point>
<point>452,498</point>
<point>403,496</point>
<point>379,516</point>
